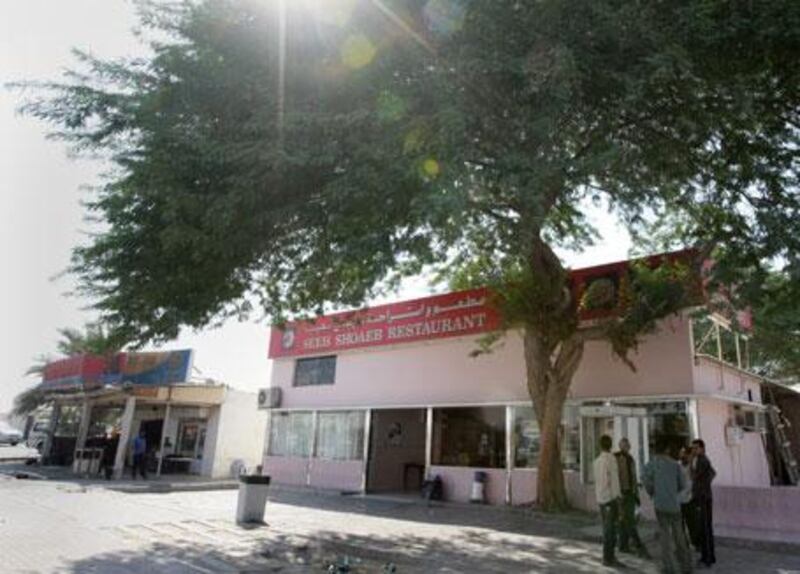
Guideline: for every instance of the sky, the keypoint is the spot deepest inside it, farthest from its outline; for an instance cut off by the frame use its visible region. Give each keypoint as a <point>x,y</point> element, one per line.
<point>41,217</point>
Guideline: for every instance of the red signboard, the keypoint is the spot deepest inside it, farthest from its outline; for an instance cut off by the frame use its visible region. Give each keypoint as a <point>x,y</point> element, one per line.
<point>440,316</point>
<point>72,372</point>
<point>450,315</point>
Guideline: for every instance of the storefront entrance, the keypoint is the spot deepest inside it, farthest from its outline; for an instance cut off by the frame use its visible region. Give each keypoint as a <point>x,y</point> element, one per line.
<point>397,450</point>
<point>618,422</point>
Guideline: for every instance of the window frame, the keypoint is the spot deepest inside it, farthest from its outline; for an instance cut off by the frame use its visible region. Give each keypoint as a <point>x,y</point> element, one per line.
<point>320,358</point>
<point>356,451</point>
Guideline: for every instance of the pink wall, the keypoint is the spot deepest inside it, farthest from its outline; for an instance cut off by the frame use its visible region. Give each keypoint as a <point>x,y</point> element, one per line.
<point>523,486</point>
<point>741,464</point>
<point>441,372</point>
<point>712,377</point>
<point>765,508</point>
<point>336,474</point>
<point>285,470</point>
<point>457,482</point>
<point>328,474</point>
<point>663,366</point>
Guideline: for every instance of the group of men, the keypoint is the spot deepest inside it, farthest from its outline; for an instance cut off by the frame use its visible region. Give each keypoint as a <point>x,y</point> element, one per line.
<point>681,494</point>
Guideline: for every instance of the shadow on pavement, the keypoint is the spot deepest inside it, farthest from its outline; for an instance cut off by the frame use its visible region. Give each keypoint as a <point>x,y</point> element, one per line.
<point>470,553</point>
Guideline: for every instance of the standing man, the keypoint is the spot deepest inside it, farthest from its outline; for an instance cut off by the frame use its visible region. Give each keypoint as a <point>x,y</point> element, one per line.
<point>629,488</point>
<point>702,476</point>
<point>606,485</point>
<point>140,456</point>
<point>664,481</point>
<point>688,508</point>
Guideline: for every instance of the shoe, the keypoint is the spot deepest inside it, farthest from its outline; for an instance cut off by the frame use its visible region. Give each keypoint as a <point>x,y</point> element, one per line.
<point>702,564</point>
<point>613,564</point>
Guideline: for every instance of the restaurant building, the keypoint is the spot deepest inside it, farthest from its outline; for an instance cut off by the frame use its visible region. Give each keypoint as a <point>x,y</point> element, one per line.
<point>375,400</point>
<point>100,403</point>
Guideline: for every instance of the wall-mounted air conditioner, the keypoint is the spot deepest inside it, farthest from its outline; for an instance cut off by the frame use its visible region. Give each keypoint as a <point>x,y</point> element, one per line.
<point>269,398</point>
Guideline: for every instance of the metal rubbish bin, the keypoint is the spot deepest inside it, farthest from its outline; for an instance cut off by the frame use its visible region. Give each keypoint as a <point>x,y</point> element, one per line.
<point>252,501</point>
<point>93,456</point>
<point>478,492</point>
<point>79,462</point>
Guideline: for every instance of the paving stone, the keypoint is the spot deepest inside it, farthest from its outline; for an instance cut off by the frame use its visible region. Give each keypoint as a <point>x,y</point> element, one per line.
<point>53,527</point>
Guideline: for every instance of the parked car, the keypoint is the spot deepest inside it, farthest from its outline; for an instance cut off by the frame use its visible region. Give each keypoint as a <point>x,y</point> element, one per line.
<point>38,434</point>
<point>9,435</point>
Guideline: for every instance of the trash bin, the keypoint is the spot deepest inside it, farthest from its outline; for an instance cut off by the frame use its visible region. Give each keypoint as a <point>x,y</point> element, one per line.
<point>82,460</point>
<point>478,493</point>
<point>253,489</point>
<point>77,462</point>
<point>93,462</point>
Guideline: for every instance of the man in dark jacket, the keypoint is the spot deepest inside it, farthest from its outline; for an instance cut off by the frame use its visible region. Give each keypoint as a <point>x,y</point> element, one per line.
<point>629,487</point>
<point>702,475</point>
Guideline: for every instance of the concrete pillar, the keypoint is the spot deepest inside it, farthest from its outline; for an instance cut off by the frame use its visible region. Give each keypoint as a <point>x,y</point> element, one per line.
<point>83,428</point>
<point>313,452</point>
<point>124,437</point>
<point>163,438</point>
<point>366,445</point>
<point>51,430</point>
<point>509,451</point>
<point>213,461</point>
<point>428,441</point>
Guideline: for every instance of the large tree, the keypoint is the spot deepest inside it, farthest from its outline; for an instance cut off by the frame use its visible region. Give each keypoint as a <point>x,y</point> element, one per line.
<point>296,155</point>
<point>776,333</point>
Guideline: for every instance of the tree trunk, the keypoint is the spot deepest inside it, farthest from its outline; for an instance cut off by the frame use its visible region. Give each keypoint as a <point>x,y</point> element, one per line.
<point>549,373</point>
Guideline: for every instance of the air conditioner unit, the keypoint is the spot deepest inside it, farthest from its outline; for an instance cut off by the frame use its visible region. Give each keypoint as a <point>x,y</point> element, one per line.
<point>750,421</point>
<point>269,398</point>
<point>734,435</point>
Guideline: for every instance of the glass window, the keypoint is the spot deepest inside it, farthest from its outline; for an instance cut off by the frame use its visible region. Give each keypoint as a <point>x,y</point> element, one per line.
<point>314,371</point>
<point>69,419</point>
<point>526,439</point>
<point>341,435</point>
<point>571,438</point>
<point>103,421</point>
<point>473,436</point>
<point>290,434</point>
<point>668,421</point>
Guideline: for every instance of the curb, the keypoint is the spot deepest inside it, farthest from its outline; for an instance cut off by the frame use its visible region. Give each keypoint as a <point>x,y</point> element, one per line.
<point>774,546</point>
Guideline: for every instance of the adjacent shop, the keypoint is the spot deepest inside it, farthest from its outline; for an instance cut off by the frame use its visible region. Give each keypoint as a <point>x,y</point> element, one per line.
<point>379,399</point>
<point>99,404</point>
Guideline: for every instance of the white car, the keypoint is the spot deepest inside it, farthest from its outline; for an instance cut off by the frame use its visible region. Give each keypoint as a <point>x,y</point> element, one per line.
<point>38,434</point>
<point>9,435</point>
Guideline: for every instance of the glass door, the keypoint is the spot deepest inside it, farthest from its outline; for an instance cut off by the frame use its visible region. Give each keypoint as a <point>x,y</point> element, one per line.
<point>618,422</point>
<point>191,439</point>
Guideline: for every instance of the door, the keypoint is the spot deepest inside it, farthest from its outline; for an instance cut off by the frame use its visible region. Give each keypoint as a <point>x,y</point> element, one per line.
<point>191,439</point>
<point>618,422</point>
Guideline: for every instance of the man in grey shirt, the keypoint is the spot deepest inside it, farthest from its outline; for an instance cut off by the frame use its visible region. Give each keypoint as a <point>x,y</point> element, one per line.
<point>664,482</point>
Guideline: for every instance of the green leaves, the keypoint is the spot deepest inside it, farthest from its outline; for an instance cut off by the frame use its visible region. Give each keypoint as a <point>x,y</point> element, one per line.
<point>448,135</point>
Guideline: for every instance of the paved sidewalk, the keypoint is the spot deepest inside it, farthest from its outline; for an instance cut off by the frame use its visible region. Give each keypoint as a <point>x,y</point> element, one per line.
<point>53,526</point>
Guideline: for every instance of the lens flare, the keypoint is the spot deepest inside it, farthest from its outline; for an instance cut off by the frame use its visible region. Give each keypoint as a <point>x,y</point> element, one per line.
<point>357,51</point>
<point>431,168</point>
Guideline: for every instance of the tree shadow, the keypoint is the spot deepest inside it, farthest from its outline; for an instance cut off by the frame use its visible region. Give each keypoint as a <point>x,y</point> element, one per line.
<point>288,554</point>
<point>572,525</point>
